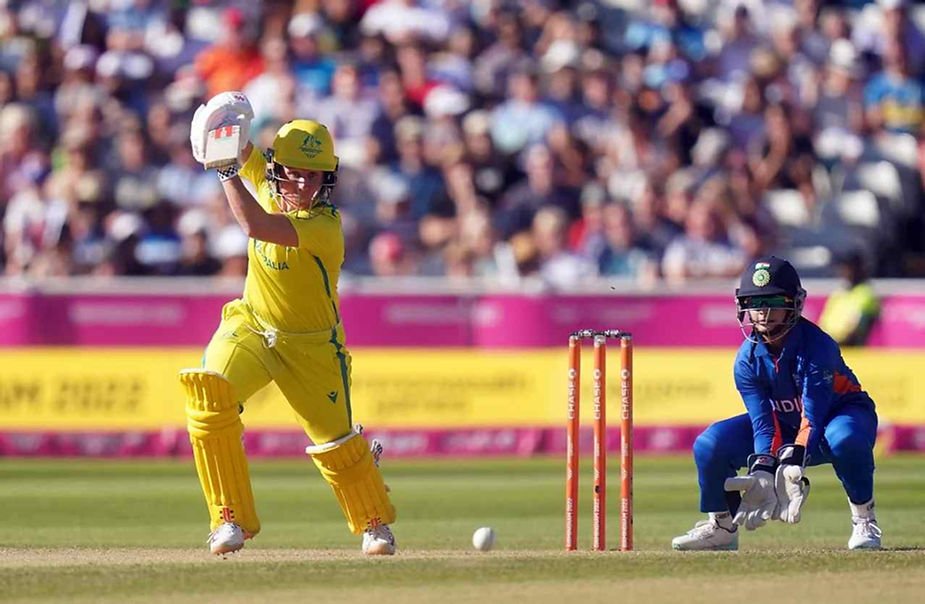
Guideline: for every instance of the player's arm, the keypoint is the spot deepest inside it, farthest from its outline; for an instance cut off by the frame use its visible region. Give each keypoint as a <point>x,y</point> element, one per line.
<point>818,393</point>
<point>758,404</point>
<point>234,109</point>
<point>245,153</point>
<point>818,396</point>
<point>759,498</point>
<point>256,222</point>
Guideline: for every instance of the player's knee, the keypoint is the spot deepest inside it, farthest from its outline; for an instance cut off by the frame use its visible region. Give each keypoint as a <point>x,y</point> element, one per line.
<point>706,448</point>
<point>848,444</point>
<point>210,402</point>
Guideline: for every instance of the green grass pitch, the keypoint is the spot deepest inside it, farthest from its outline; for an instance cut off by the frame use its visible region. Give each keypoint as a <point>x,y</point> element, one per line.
<point>101,531</point>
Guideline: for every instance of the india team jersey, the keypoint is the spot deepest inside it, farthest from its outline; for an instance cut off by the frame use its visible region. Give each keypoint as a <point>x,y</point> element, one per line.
<point>294,288</point>
<point>791,397</point>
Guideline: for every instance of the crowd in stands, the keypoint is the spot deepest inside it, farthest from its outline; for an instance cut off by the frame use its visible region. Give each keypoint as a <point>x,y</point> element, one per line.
<point>650,140</point>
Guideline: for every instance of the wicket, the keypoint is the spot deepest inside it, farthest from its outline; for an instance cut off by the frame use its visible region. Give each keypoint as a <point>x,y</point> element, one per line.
<point>573,425</point>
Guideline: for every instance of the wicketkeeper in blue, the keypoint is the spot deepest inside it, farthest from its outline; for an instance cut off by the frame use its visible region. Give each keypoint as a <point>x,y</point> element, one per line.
<point>805,408</point>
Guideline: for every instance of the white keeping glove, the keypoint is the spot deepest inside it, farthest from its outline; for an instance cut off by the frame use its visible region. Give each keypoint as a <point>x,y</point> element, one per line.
<point>759,499</point>
<point>790,483</point>
<point>224,109</point>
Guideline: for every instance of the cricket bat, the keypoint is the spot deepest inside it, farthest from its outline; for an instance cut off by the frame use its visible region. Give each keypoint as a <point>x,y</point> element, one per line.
<point>222,147</point>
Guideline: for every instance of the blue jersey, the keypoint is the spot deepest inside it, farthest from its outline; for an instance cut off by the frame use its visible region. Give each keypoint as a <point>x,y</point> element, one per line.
<point>791,397</point>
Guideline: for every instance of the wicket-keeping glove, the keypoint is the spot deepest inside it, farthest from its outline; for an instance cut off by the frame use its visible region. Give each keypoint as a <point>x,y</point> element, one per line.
<point>759,500</point>
<point>791,485</point>
<point>224,109</point>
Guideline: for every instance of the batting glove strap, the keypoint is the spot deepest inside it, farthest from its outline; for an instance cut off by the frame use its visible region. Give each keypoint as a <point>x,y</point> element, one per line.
<point>227,173</point>
<point>762,462</point>
<point>792,455</point>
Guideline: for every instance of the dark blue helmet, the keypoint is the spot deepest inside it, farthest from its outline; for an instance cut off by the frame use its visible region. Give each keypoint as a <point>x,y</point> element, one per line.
<point>769,283</point>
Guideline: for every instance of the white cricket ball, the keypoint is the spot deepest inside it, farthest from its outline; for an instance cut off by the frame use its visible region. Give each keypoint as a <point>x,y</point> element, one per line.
<point>483,539</point>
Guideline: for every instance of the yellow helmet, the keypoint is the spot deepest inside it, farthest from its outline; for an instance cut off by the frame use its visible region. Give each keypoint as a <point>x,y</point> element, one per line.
<point>305,144</point>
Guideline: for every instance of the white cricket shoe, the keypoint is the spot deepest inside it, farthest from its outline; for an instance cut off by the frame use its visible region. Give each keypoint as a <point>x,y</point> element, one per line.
<point>226,539</point>
<point>865,534</point>
<point>707,535</point>
<point>378,540</point>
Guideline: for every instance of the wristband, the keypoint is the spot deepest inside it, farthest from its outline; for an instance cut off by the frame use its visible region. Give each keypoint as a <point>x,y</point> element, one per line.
<point>227,173</point>
<point>794,455</point>
<point>762,462</point>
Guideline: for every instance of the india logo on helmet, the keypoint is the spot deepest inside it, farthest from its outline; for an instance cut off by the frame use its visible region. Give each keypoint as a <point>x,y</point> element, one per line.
<point>761,277</point>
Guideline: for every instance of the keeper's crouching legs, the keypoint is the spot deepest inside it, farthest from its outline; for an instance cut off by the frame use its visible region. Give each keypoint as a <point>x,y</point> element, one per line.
<point>215,431</point>
<point>347,465</point>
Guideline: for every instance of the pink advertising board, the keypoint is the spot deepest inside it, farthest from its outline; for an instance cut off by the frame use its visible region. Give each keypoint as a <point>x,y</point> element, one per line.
<point>489,321</point>
<point>407,443</point>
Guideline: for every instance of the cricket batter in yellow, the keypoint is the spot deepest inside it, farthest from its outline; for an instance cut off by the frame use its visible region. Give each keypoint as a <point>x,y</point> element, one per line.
<point>286,328</point>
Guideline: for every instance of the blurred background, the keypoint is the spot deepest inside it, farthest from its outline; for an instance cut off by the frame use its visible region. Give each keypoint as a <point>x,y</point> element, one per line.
<point>510,171</point>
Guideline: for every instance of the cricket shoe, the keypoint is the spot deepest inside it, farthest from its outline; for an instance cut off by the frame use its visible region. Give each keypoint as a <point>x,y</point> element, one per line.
<point>378,540</point>
<point>707,535</point>
<point>226,539</point>
<point>865,534</point>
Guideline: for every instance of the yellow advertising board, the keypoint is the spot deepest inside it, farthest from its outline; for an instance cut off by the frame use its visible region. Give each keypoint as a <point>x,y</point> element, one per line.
<point>98,388</point>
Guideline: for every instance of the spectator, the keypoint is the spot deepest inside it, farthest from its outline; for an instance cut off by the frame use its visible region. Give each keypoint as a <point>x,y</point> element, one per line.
<point>20,156</point>
<point>389,256</point>
<point>621,257</point>
<point>894,100</point>
<point>231,251</point>
<point>732,63</point>
<point>559,268</point>
<point>495,64</point>
<point>381,147</point>
<point>702,251</point>
<point>195,260</point>
<point>839,107</point>
<point>785,157</point>
<point>540,188</point>
<point>851,311</point>
<point>403,20</point>
<point>349,114</point>
<point>313,70</point>
<point>343,18</point>
<point>667,22</point>
<point>234,59</point>
<point>523,120</point>
<point>273,93</point>
<point>492,172</point>
<point>886,22</point>
<point>457,128</point>
<point>426,189</point>
<point>415,77</point>
<point>134,178</point>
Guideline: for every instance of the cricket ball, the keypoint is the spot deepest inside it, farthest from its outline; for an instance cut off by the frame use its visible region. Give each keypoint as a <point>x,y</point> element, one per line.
<point>483,539</point>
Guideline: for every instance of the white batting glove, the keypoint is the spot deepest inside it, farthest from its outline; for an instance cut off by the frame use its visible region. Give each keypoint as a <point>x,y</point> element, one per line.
<point>759,499</point>
<point>224,109</point>
<point>790,483</point>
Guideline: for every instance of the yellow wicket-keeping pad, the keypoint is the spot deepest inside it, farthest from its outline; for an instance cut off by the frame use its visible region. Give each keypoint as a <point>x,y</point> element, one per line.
<point>215,430</point>
<point>347,465</point>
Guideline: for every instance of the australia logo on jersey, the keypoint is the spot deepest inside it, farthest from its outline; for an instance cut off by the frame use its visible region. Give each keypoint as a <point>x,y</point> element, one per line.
<point>261,248</point>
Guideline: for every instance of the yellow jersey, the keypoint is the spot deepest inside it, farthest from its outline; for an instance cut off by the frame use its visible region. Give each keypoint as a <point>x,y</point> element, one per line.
<point>294,289</point>
<point>844,311</point>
